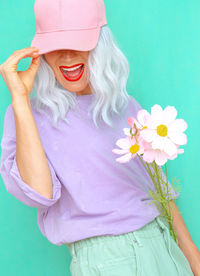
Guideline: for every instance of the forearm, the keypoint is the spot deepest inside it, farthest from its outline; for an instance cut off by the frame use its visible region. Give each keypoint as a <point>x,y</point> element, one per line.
<point>185,240</point>
<point>30,156</point>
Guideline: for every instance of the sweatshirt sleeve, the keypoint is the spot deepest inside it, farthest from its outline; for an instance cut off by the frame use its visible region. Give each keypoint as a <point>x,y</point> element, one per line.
<point>174,194</point>
<point>11,175</point>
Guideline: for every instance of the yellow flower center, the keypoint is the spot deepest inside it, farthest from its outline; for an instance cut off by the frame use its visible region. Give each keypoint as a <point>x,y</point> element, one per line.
<point>144,127</point>
<point>134,148</point>
<point>162,130</point>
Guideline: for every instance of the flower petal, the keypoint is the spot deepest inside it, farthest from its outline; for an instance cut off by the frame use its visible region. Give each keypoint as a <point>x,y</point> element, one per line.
<point>179,151</point>
<point>143,116</point>
<point>161,158</point>
<point>123,143</point>
<point>127,131</point>
<point>125,158</point>
<point>131,121</point>
<point>120,151</point>
<point>172,157</point>
<point>178,138</point>
<point>169,114</point>
<point>158,142</point>
<point>177,125</point>
<point>141,149</point>
<point>149,156</point>
<point>153,123</point>
<point>148,134</point>
<point>131,140</point>
<point>169,147</point>
<point>156,114</point>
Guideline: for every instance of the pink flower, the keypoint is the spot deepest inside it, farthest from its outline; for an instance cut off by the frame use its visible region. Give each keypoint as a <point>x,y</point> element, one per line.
<point>137,124</point>
<point>163,130</point>
<point>158,136</point>
<point>129,147</point>
<point>157,155</point>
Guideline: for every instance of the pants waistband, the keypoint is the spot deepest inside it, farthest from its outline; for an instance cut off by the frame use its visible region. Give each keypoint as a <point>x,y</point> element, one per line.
<point>133,235</point>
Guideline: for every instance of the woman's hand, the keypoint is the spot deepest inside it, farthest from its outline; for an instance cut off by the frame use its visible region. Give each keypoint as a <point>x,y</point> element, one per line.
<point>20,83</point>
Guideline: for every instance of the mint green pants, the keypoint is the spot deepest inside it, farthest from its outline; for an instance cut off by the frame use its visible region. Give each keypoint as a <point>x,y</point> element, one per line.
<point>148,251</point>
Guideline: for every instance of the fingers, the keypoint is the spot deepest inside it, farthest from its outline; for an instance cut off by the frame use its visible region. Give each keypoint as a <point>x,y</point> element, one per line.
<point>15,58</point>
<point>34,66</point>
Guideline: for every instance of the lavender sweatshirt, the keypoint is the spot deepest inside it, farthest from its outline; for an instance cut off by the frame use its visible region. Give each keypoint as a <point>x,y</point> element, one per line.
<point>92,193</point>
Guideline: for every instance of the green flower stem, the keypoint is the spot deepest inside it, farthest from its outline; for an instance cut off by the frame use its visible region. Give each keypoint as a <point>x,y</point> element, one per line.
<point>158,178</point>
<point>166,202</point>
<point>148,169</point>
<point>166,176</point>
<point>172,218</point>
<point>159,195</point>
<point>166,172</point>
<point>152,177</point>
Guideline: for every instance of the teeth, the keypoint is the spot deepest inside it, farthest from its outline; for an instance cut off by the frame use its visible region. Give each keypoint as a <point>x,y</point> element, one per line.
<point>71,69</point>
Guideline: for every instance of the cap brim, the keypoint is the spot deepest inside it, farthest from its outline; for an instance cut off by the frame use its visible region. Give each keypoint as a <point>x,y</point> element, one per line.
<point>80,40</point>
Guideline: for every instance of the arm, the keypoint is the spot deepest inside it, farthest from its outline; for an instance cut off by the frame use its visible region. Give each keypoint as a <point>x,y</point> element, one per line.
<point>30,155</point>
<point>26,171</point>
<point>185,241</point>
<point>25,168</point>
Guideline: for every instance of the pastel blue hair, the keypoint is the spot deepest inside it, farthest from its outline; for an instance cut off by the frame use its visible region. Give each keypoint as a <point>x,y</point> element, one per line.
<point>108,74</point>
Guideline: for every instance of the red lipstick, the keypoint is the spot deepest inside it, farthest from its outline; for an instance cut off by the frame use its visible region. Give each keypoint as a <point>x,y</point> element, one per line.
<point>72,75</point>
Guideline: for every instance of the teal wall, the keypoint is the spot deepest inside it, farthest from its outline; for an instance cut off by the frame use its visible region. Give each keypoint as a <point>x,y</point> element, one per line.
<point>162,42</point>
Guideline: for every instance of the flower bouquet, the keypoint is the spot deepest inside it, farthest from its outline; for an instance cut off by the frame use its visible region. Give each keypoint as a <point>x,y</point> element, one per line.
<point>155,138</point>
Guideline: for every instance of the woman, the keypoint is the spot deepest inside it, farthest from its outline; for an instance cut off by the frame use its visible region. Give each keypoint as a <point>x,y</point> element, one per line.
<point>56,149</point>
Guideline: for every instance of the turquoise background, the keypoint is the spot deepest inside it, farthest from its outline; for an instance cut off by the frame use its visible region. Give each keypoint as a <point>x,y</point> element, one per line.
<point>161,40</point>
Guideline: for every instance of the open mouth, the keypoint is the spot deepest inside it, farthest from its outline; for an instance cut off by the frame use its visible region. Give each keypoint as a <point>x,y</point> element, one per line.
<point>72,73</point>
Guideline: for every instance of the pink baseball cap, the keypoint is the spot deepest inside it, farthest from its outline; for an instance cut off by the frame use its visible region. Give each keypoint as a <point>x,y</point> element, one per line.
<point>68,24</point>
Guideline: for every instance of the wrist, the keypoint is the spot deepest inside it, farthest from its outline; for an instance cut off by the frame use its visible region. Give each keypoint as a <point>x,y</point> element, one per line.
<point>20,105</point>
<point>21,101</point>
